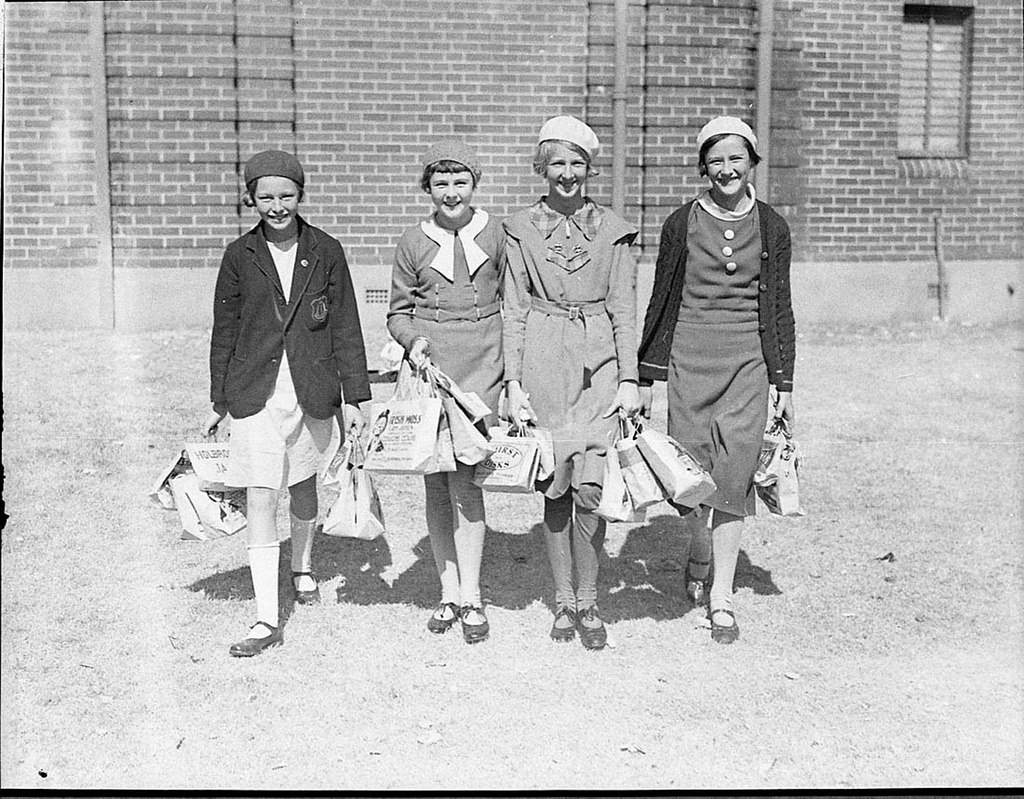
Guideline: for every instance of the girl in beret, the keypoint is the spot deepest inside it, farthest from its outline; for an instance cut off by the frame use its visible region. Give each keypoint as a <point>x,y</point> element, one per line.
<point>570,355</point>
<point>720,330</point>
<point>445,303</point>
<point>286,359</point>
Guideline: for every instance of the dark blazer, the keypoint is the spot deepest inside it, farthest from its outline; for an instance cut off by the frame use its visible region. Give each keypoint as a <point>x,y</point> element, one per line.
<point>319,327</point>
<point>774,307</point>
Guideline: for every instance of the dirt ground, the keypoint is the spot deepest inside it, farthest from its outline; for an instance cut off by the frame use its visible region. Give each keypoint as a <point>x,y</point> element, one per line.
<point>882,642</point>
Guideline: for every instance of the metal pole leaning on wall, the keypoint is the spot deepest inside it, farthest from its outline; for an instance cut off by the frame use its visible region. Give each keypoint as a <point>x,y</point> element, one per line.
<point>765,46</point>
<point>619,97</point>
<point>101,163</point>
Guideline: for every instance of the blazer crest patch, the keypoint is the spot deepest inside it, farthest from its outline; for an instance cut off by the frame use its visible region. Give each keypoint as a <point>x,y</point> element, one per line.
<point>318,307</point>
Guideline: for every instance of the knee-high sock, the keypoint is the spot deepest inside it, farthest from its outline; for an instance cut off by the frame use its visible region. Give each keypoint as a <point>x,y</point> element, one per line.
<point>700,543</point>
<point>470,527</point>
<point>303,532</point>
<point>725,540</point>
<point>263,565</point>
<point>588,530</point>
<point>440,528</point>
<point>557,529</point>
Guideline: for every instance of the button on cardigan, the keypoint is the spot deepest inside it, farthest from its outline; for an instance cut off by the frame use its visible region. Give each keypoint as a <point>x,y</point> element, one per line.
<point>774,305</point>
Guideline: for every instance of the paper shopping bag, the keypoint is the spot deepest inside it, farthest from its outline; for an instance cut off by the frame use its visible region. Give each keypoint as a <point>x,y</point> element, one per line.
<point>776,480</point>
<point>404,431</point>
<point>685,481</point>
<point>641,484</point>
<point>470,402</point>
<point>615,505</point>
<point>160,493</point>
<point>206,515</point>
<point>356,511</point>
<point>546,458</point>
<point>469,444</point>
<point>209,459</point>
<point>512,467</point>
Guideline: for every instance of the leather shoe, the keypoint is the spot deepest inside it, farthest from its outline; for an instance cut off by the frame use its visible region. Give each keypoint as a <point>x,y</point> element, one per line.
<point>437,624</point>
<point>724,633</point>
<point>253,646</point>
<point>591,637</point>
<point>473,633</point>
<point>305,597</point>
<point>563,634</point>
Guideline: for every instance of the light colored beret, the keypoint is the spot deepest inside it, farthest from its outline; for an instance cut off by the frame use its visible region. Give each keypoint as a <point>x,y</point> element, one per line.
<point>734,125</point>
<point>570,129</point>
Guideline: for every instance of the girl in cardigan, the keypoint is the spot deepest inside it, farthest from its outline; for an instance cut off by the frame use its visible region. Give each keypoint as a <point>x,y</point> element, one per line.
<point>570,355</point>
<point>286,359</point>
<point>719,329</point>
<point>445,302</point>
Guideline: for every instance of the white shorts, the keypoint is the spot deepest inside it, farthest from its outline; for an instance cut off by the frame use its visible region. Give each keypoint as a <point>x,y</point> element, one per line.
<point>280,445</point>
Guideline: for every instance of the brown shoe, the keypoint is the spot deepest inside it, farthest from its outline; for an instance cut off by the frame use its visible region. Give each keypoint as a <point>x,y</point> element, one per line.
<point>592,637</point>
<point>562,634</point>
<point>249,647</point>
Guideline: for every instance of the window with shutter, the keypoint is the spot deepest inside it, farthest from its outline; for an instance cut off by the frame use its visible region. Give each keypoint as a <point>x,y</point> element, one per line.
<point>934,69</point>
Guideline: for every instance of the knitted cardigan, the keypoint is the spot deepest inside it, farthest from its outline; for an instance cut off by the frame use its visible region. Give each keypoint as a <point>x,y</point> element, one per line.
<point>774,307</point>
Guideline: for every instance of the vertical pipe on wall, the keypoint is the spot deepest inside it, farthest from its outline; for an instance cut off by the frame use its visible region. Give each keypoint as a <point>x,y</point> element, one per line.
<point>765,46</point>
<point>619,97</point>
<point>101,144</point>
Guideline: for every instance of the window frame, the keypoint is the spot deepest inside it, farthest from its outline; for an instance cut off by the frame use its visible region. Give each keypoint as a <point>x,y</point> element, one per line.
<point>964,16</point>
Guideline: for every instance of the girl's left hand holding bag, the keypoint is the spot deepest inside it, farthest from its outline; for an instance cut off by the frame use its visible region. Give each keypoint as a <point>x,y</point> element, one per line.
<point>627,401</point>
<point>351,420</point>
<point>211,423</point>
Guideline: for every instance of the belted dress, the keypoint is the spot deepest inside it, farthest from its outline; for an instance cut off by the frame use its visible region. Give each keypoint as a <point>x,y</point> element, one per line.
<point>446,286</point>
<point>570,328</point>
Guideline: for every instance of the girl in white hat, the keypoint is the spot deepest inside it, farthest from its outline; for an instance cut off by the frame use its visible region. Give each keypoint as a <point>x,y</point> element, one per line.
<point>286,359</point>
<point>719,329</point>
<point>570,355</point>
<point>445,303</point>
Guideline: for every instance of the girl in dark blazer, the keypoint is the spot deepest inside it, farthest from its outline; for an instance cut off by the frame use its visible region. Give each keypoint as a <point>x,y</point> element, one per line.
<point>719,329</point>
<point>286,359</point>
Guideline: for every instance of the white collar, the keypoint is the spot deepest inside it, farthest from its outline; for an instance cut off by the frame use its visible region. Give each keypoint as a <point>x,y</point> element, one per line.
<point>713,208</point>
<point>444,260</point>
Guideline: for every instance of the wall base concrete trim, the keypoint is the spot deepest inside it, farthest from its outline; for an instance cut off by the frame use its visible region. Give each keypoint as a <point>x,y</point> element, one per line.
<point>843,293</point>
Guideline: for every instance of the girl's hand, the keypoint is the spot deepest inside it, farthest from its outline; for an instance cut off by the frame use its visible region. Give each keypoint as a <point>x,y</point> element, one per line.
<point>213,419</point>
<point>785,410</point>
<point>626,402</point>
<point>419,353</point>
<point>646,401</point>
<point>353,421</point>
<point>517,403</point>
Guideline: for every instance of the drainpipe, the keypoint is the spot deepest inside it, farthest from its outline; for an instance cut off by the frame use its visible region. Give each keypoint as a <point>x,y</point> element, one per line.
<point>619,97</point>
<point>101,163</point>
<point>765,36</point>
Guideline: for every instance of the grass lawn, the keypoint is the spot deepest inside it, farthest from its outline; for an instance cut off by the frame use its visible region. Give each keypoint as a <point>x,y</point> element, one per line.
<point>882,640</point>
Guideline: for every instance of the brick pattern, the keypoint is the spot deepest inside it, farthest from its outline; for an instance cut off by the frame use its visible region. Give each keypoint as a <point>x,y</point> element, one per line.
<point>49,184</point>
<point>360,89</point>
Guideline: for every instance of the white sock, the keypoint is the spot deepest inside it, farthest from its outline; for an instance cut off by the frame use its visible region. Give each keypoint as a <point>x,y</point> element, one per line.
<point>263,564</point>
<point>303,531</point>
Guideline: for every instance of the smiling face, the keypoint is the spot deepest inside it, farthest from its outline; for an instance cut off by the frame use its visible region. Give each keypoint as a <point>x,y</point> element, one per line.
<point>566,173</point>
<point>451,192</point>
<point>277,203</point>
<point>728,167</point>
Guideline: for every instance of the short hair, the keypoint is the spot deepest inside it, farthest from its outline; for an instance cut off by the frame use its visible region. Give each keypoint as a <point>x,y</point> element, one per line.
<point>546,148</point>
<point>249,201</point>
<point>446,166</point>
<point>755,159</point>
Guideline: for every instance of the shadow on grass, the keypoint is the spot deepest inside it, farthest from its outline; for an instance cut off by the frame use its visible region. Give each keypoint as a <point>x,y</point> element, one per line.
<point>359,562</point>
<point>644,580</point>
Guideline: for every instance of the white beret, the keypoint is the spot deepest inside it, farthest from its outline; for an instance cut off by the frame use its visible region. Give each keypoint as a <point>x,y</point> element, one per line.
<point>570,129</point>
<point>733,125</point>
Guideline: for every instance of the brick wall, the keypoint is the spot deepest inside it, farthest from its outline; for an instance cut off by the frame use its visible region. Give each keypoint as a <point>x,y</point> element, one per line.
<point>49,150</point>
<point>360,89</point>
